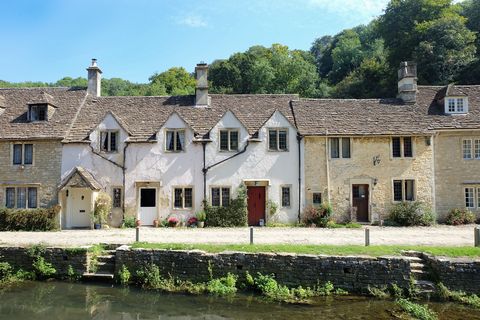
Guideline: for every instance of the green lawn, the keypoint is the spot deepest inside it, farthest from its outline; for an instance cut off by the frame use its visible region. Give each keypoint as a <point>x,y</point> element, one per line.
<point>316,249</point>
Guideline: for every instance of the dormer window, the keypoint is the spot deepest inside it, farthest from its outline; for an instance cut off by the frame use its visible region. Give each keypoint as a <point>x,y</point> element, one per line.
<point>109,141</point>
<point>456,105</point>
<point>38,112</point>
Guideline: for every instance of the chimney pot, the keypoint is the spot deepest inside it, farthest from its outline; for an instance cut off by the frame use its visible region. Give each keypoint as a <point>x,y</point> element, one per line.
<point>407,82</point>
<point>201,88</point>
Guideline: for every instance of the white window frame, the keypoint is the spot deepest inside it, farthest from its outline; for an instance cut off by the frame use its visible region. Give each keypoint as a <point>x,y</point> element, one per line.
<point>340,147</point>
<point>278,139</point>
<point>289,186</point>
<point>467,144</point>
<point>473,196</point>
<point>229,147</point>
<point>183,198</point>
<point>456,105</point>
<point>402,147</point>
<point>15,206</point>
<point>175,140</point>
<point>23,154</point>
<point>221,195</point>
<point>404,190</point>
<point>109,141</point>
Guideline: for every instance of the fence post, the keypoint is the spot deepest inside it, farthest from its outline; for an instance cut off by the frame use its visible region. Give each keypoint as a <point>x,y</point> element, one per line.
<point>251,235</point>
<point>137,234</point>
<point>367,237</point>
<point>476,236</point>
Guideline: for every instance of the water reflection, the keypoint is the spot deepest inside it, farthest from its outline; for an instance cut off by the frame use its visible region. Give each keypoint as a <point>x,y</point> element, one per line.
<point>71,301</point>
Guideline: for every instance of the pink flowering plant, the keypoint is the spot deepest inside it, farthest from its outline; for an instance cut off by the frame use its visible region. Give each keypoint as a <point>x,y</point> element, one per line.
<point>192,221</point>
<point>173,222</point>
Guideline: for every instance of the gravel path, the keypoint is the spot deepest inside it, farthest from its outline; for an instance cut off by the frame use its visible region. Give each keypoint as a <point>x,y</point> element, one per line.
<point>435,236</point>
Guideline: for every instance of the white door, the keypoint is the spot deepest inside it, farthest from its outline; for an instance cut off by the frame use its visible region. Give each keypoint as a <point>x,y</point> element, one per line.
<point>79,206</point>
<point>148,206</point>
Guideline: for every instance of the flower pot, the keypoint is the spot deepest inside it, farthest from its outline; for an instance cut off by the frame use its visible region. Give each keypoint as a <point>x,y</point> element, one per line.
<point>155,223</point>
<point>200,224</point>
<point>138,223</point>
<point>97,226</point>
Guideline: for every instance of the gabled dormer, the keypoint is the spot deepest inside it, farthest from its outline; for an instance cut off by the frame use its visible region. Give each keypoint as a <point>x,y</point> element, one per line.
<point>40,108</point>
<point>109,136</point>
<point>455,101</point>
<point>2,104</point>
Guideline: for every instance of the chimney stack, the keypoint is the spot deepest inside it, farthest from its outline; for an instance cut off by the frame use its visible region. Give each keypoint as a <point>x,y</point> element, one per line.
<point>201,88</point>
<point>407,82</point>
<point>94,79</point>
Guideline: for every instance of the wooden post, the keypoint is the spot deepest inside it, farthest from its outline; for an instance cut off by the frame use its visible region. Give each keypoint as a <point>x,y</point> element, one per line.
<point>367,237</point>
<point>476,236</point>
<point>251,235</point>
<point>137,234</point>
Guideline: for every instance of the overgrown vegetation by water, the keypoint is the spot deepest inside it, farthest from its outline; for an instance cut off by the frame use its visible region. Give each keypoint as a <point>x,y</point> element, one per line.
<point>316,249</point>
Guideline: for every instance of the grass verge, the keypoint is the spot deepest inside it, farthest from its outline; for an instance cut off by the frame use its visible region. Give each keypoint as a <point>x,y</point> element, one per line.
<point>315,249</point>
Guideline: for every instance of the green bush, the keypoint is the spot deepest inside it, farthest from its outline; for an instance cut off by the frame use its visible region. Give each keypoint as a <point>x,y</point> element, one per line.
<point>319,217</point>
<point>129,222</point>
<point>460,216</point>
<point>41,219</point>
<point>124,275</point>
<point>223,286</point>
<point>412,214</point>
<point>43,270</point>
<point>233,215</point>
<point>421,312</point>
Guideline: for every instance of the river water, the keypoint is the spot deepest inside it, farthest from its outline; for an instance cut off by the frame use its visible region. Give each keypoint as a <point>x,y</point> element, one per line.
<point>71,301</point>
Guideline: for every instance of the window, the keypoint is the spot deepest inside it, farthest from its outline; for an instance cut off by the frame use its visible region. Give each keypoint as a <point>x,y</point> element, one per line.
<point>21,197</point>
<point>117,197</point>
<point>403,190</point>
<point>22,154</point>
<point>402,147</point>
<point>183,198</point>
<point>467,149</point>
<point>38,112</point>
<point>228,140</point>
<point>339,148</point>
<point>175,141</point>
<point>286,196</point>
<point>317,199</point>
<point>220,196</point>
<point>477,149</point>
<point>109,141</point>
<point>277,140</point>
<point>470,197</point>
<point>456,105</point>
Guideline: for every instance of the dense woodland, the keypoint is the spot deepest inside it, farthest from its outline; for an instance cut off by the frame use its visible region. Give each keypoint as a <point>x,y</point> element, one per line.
<point>442,37</point>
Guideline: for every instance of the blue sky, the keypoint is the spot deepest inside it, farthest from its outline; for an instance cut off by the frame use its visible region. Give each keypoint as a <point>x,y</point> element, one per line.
<point>47,40</point>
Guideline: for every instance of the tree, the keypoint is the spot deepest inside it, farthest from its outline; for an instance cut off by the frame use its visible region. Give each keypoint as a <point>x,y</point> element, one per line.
<point>176,81</point>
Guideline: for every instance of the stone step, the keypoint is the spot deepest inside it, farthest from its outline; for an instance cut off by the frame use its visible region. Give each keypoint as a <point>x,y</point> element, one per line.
<point>411,253</point>
<point>425,286</point>
<point>104,277</point>
<point>417,266</point>
<point>413,259</point>
<point>106,258</point>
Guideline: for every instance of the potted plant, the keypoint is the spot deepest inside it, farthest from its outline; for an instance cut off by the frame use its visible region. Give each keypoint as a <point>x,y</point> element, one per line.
<point>201,217</point>
<point>192,222</point>
<point>102,207</point>
<point>173,222</point>
<point>155,223</point>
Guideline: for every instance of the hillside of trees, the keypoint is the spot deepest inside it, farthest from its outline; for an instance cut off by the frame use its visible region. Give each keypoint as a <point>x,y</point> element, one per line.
<point>442,37</point>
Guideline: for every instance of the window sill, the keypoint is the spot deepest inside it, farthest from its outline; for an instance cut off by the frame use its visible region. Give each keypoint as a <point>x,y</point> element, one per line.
<point>173,151</point>
<point>270,150</point>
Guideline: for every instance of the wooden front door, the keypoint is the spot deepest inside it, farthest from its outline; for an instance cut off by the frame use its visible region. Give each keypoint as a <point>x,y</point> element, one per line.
<point>360,201</point>
<point>256,205</point>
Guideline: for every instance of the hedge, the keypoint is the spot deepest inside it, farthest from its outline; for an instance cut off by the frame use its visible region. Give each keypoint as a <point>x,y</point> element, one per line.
<point>234,215</point>
<point>42,219</point>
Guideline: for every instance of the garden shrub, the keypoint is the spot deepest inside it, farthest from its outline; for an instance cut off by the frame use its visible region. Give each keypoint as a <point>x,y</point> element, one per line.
<point>460,216</point>
<point>223,286</point>
<point>129,222</point>
<point>233,215</point>
<point>42,219</point>
<point>412,214</point>
<point>124,275</point>
<point>42,269</point>
<point>319,217</point>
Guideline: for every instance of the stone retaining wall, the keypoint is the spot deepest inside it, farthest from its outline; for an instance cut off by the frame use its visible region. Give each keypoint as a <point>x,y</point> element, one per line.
<point>60,258</point>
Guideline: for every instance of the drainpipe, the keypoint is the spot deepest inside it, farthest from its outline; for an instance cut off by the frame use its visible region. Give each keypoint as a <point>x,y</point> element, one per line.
<point>299,140</point>
<point>327,165</point>
<point>204,170</point>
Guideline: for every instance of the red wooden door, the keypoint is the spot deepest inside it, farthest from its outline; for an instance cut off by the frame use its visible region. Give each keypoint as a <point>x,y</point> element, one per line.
<point>360,201</point>
<point>256,205</point>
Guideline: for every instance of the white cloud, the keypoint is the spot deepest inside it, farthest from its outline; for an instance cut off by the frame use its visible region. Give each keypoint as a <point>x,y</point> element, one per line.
<point>355,9</point>
<point>194,21</point>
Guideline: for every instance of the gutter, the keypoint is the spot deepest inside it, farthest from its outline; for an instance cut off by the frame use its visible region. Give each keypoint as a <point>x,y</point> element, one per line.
<point>327,165</point>
<point>299,140</point>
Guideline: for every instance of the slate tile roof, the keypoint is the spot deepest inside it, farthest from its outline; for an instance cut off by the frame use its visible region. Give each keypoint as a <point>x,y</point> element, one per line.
<point>13,120</point>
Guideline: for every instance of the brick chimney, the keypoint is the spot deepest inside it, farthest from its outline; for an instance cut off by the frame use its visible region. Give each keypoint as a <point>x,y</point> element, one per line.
<point>94,79</point>
<point>407,82</point>
<point>201,88</point>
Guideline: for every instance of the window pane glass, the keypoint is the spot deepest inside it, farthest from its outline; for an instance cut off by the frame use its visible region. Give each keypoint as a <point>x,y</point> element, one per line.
<point>409,190</point>
<point>334,148</point>
<point>170,141</point>
<point>477,149</point>
<point>225,197</point>
<point>345,147</point>
<point>10,197</point>
<point>396,147</point>
<point>233,140</point>
<point>148,198</point>
<point>407,147</point>
<point>180,140</point>
<point>317,198</point>
<point>282,139</point>
<point>104,141</point>
<point>272,139</point>
<point>42,113</point>
<point>459,105</point>
<point>469,198</point>
<point>21,197</point>
<point>33,113</point>
<point>467,149</point>
<point>224,140</point>
<point>397,190</point>
<point>28,148</point>
<point>285,196</point>
<point>17,154</point>
<point>188,198</point>
<point>117,197</point>
<point>451,105</point>
<point>178,201</point>
<point>113,141</point>
<point>216,197</point>
<point>32,197</point>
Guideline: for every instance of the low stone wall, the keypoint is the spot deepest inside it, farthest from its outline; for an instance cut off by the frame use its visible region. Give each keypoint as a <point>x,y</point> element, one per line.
<point>455,273</point>
<point>354,274</point>
<point>60,258</point>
